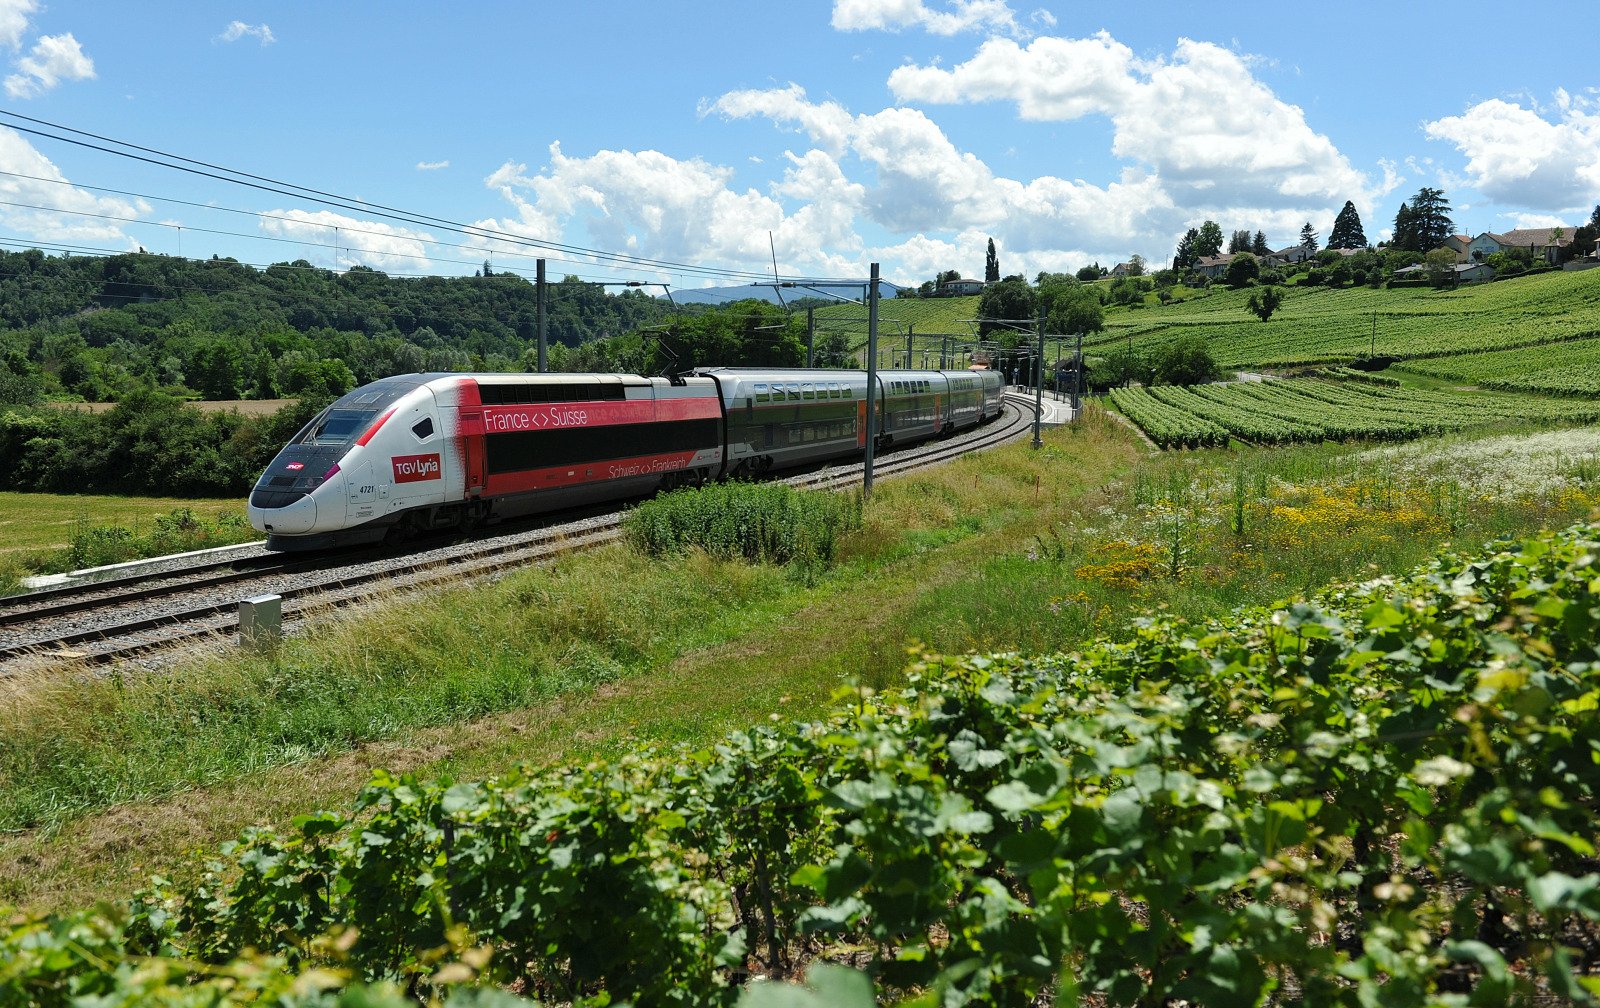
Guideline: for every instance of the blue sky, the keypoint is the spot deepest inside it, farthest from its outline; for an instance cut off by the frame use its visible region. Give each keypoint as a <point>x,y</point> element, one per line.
<point>716,134</point>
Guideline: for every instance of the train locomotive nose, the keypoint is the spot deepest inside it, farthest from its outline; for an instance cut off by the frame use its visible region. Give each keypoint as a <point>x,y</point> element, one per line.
<point>291,519</point>
<point>286,499</point>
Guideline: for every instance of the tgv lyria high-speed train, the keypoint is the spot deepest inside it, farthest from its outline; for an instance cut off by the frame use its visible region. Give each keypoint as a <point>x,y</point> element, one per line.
<point>419,452</point>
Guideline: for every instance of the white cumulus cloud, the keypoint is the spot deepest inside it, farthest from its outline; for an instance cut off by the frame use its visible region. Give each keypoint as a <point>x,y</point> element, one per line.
<point>1215,135</point>
<point>78,217</point>
<point>651,205</point>
<point>432,165</point>
<point>953,17</point>
<point>237,30</point>
<point>1519,157</point>
<point>54,58</point>
<point>14,16</point>
<point>356,242</point>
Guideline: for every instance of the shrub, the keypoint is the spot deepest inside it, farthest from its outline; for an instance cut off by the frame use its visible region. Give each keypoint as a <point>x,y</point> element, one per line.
<point>761,522</point>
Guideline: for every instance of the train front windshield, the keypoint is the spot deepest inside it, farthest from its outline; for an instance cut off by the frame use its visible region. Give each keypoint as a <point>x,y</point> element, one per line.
<point>352,414</point>
<point>333,427</point>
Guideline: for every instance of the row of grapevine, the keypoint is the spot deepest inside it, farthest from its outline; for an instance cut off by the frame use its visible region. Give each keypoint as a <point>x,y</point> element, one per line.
<point>1570,368</point>
<point>1355,374</point>
<point>1381,796</point>
<point>1238,418</point>
<point>1281,412</point>
<point>1166,426</point>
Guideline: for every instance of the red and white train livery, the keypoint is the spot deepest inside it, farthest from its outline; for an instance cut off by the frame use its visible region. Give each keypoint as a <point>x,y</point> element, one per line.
<point>418,452</point>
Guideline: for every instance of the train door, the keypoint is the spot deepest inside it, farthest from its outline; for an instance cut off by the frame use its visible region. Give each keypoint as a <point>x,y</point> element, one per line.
<point>367,497</point>
<point>473,463</point>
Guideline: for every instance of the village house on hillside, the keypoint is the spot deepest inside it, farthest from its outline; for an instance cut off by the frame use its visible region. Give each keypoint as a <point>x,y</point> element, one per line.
<point>960,288</point>
<point>1292,254</point>
<point>1212,267</point>
<point>1469,272</point>
<point>1541,243</point>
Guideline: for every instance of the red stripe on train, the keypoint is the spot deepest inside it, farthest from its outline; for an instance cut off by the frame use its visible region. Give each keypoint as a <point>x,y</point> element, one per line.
<point>555,477</point>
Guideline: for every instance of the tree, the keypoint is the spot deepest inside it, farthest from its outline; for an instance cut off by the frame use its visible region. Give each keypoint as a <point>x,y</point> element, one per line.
<point>1091,273</point>
<point>1136,265</point>
<point>1007,301</point>
<point>1423,224</point>
<point>1441,266</point>
<point>1259,245</point>
<point>991,265</point>
<point>1347,232</point>
<point>1242,270</point>
<point>1238,242</point>
<point>1074,309</point>
<point>1264,302</point>
<point>1308,238</point>
<point>1185,361</point>
<point>1209,242</point>
<point>1185,256</point>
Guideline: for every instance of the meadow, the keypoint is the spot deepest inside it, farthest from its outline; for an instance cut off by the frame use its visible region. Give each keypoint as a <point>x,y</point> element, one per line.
<point>43,533</point>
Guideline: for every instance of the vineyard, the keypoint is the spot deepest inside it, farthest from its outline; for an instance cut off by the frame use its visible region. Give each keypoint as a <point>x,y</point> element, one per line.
<point>1314,325</point>
<point>1311,409</point>
<point>1317,324</point>
<point>1571,368</point>
<point>1381,796</point>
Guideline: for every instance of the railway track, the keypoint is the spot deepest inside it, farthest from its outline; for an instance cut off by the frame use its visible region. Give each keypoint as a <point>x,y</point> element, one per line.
<point>113,620</point>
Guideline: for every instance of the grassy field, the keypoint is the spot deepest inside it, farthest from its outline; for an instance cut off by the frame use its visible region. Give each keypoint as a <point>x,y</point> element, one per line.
<point>106,781</point>
<point>36,522</point>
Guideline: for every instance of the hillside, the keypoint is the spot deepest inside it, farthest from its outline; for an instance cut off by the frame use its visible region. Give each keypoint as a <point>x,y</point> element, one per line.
<point>1316,324</point>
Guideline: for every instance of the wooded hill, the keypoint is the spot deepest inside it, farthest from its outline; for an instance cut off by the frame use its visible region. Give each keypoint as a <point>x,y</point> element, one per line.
<point>97,327</point>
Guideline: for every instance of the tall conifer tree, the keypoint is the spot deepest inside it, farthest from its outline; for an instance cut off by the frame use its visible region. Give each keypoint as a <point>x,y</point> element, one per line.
<point>1347,232</point>
<point>991,265</point>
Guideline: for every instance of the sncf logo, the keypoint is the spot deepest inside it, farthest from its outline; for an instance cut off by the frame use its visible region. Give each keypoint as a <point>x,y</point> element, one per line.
<point>415,468</point>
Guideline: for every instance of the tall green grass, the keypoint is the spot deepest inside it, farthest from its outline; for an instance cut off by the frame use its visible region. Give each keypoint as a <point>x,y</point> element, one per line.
<point>763,522</point>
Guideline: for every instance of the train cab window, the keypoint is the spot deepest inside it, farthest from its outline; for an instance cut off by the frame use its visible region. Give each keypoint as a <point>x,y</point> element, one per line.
<point>423,428</point>
<point>336,427</point>
<point>761,391</point>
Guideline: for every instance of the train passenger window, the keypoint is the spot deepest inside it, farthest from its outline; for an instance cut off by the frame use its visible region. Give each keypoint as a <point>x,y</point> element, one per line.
<point>794,390</point>
<point>423,428</point>
<point>761,391</point>
<point>807,391</point>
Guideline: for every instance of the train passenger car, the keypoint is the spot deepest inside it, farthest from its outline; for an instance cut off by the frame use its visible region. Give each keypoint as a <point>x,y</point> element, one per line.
<point>419,452</point>
<point>911,405</point>
<point>779,418</point>
<point>994,393</point>
<point>964,405</point>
